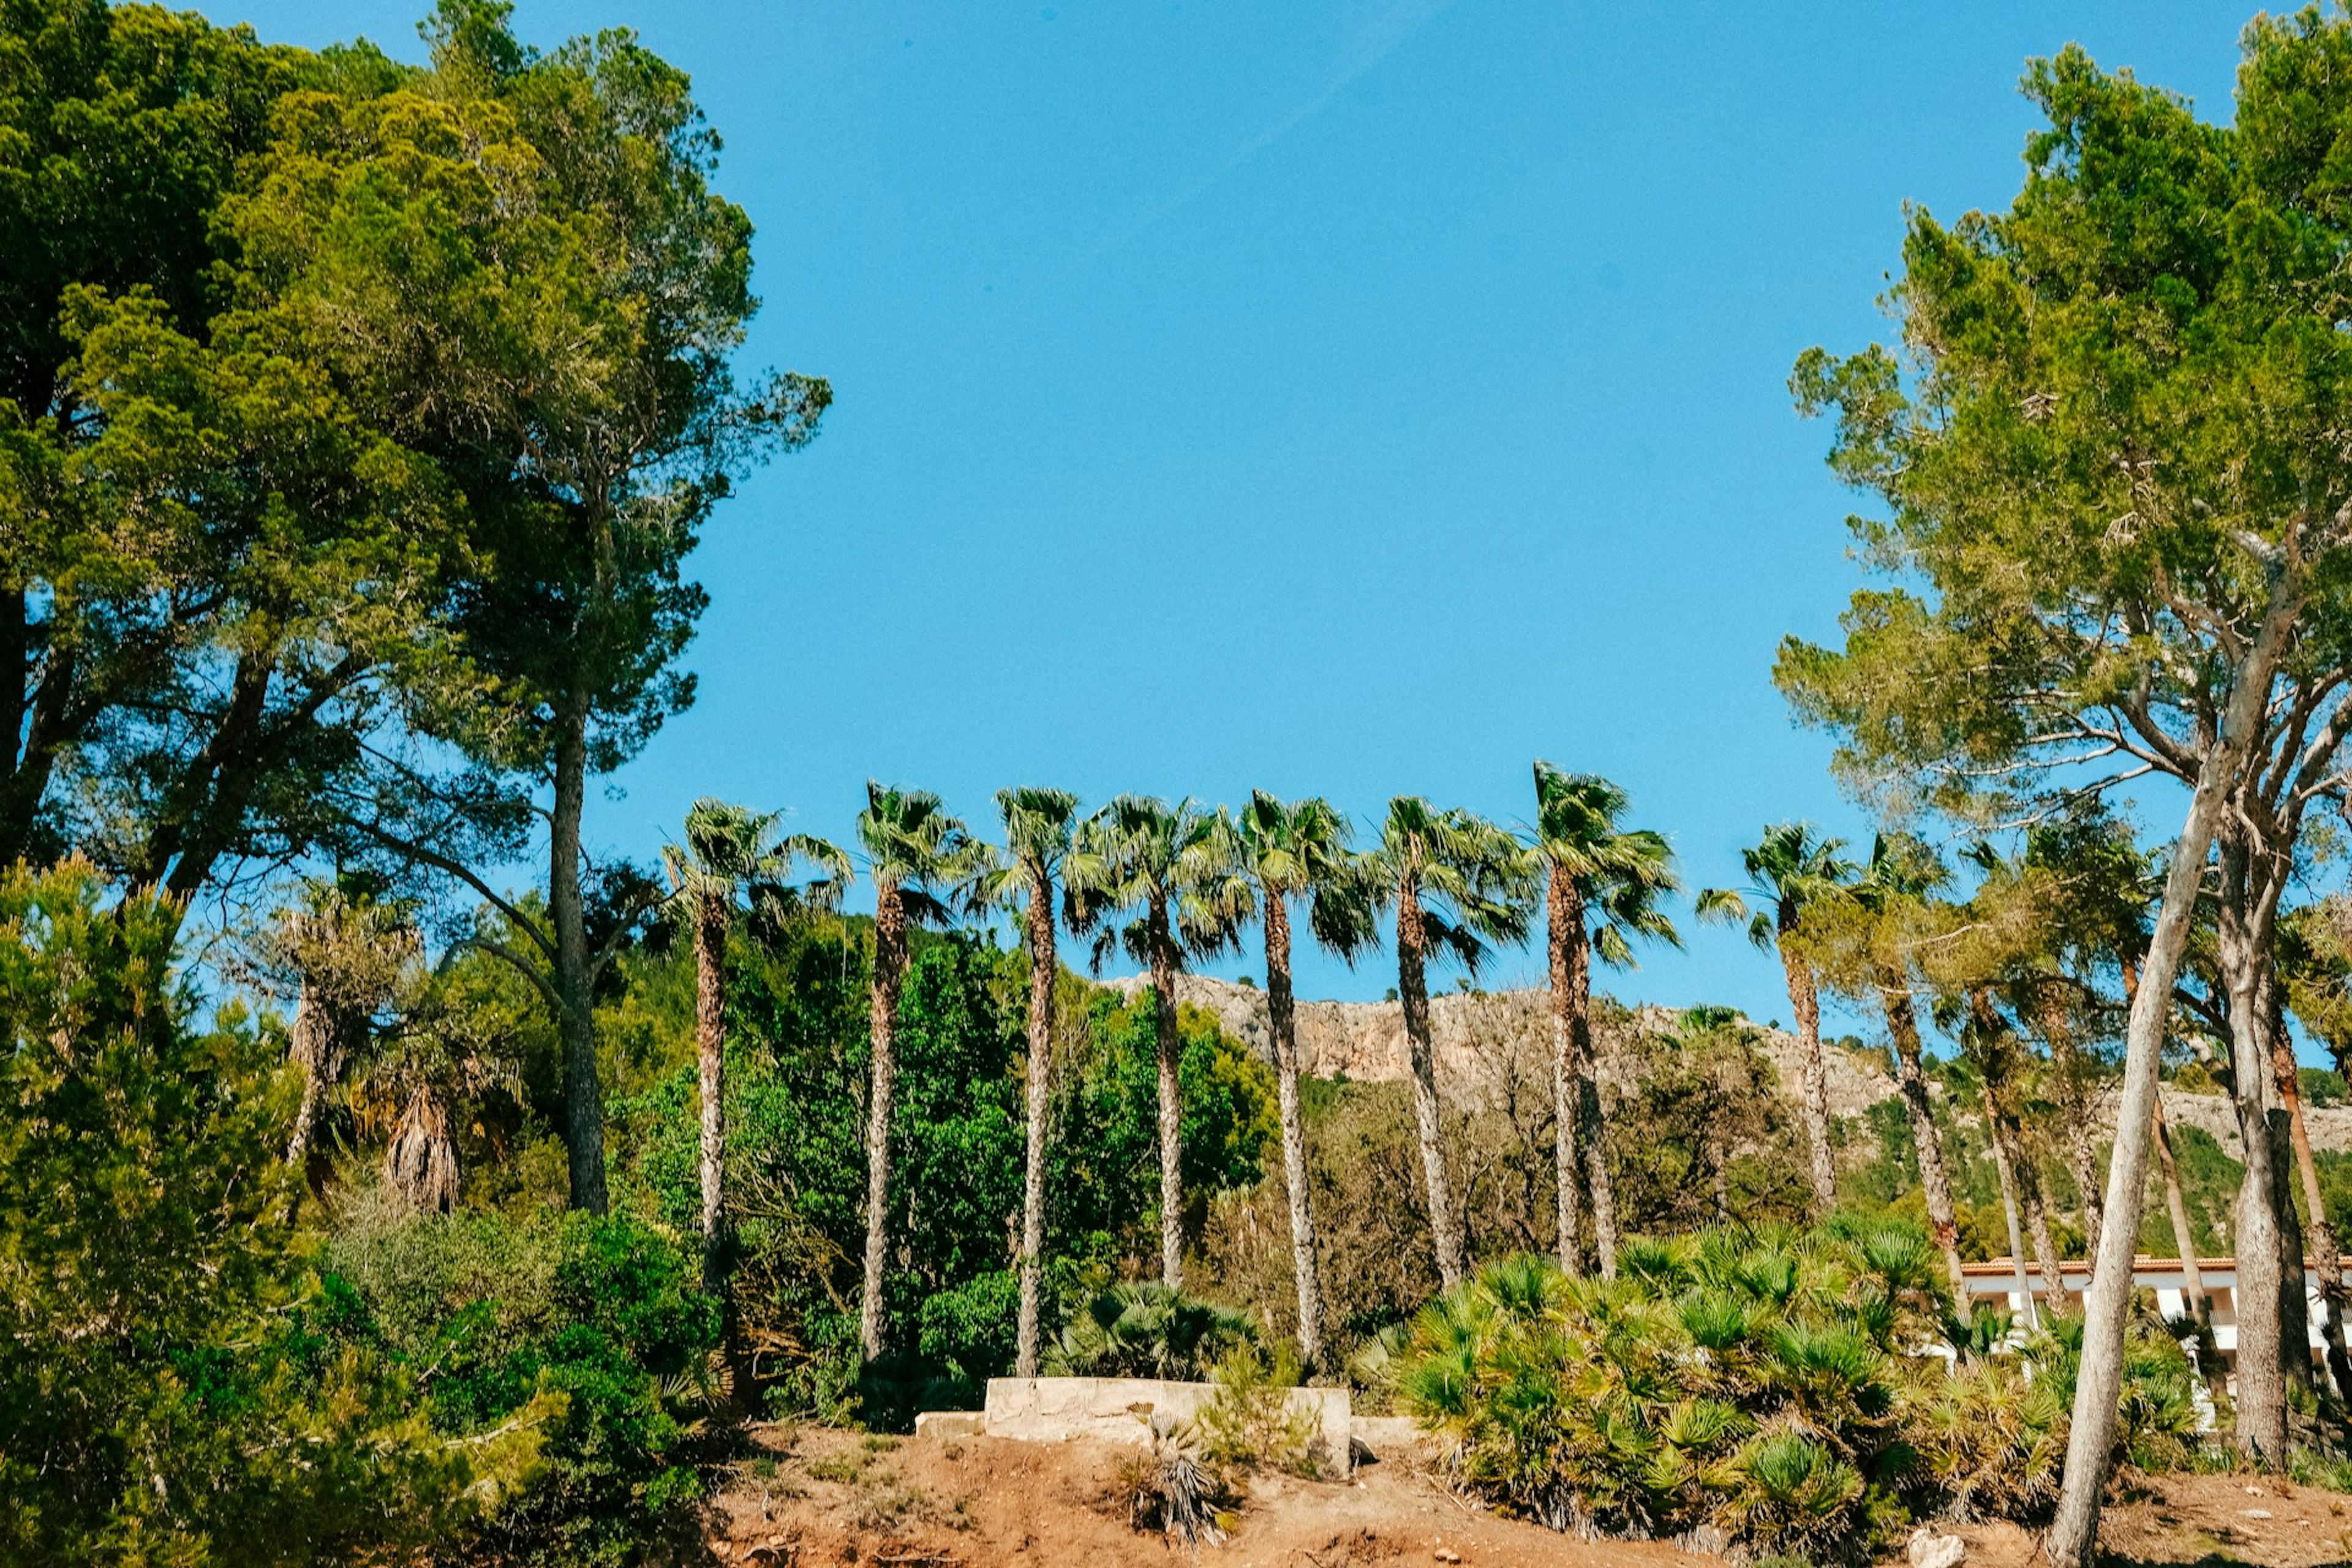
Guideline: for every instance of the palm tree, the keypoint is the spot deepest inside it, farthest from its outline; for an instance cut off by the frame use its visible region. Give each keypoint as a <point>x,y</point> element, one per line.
<point>732,855</point>
<point>1037,824</point>
<point>1459,882</point>
<point>915,854</point>
<point>1603,888</point>
<point>1285,851</point>
<point>1787,870</point>
<point>1902,873</point>
<point>1144,858</point>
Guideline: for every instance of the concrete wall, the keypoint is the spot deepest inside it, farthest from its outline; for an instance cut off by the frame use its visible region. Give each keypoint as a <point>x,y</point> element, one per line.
<point>1125,1409</point>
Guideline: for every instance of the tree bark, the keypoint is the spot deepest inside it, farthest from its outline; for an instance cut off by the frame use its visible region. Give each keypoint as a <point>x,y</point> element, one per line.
<point>1043,968</point>
<point>1934,1183</point>
<point>1412,992</point>
<point>882,1031</point>
<point>1596,1171</point>
<point>1282,1020</point>
<point>1172,1097</point>
<point>2260,1364</point>
<point>584,1101</point>
<point>2327,1252</point>
<point>313,1044</point>
<point>1571,1025</point>
<point>710,920</point>
<point>1997,1057</point>
<point>2192,1277</point>
<point>1805,1002</point>
<point>2075,1110</point>
<point>2007,1171</point>
<point>2090,1440</point>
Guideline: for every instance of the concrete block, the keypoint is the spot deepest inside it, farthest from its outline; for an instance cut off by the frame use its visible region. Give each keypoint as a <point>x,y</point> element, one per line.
<point>941,1424</point>
<point>1127,1410</point>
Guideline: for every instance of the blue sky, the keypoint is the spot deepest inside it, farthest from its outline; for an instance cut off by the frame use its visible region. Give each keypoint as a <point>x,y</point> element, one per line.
<point>1347,399</point>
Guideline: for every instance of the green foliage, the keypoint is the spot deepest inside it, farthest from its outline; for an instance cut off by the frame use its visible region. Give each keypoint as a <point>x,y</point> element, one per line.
<point>1772,1387</point>
<point>170,1388</point>
<point>1146,1330</point>
<point>591,1325</point>
<point>1250,1424</point>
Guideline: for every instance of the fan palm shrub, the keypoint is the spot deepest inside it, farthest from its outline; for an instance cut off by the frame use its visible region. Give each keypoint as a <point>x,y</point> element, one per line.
<point>1776,1393</point>
<point>1147,1330</point>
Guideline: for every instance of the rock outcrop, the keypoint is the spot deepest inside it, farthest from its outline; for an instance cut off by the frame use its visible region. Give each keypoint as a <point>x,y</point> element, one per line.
<point>1474,1035</point>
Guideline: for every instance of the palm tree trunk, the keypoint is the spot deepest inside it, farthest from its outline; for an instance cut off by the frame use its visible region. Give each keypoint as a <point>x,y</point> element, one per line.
<point>1564,918</point>
<point>1043,968</point>
<point>882,1028</point>
<point>584,1101</point>
<point>311,1047</point>
<point>1596,1172</point>
<point>2192,1277</point>
<point>710,918</point>
<point>1806,1004</point>
<point>1171,1098</point>
<point>1283,1023</point>
<point>2075,1110</point>
<point>1934,1182</point>
<point>2020,1182</point>
<point>2000,1164</point>
<point>2326,1253</point>
<point>1412,992</point>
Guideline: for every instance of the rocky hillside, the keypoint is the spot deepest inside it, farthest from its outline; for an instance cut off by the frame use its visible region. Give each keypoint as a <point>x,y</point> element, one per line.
<point>1476,1037</point>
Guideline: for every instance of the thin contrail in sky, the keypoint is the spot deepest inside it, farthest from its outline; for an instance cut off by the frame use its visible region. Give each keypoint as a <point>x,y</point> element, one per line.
<point>1391,26</point>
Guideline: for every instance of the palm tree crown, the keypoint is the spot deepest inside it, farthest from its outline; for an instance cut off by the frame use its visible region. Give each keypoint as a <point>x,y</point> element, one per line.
<point>1787,870</point>
<point>1470,878</point>
<point>1622,874</point>
<point>1137,853</point>
<point>913,847</point>
<point>732,853</point>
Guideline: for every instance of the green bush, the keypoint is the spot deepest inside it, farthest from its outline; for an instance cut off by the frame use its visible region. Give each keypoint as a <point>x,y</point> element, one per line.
<point>1787,1394</point>
<point>590,1326</point>
<point>1147,1330</point>
<point>169,1387</point>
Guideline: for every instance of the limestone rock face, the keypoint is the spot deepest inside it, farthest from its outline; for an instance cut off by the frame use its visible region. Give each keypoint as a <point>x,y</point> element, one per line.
<point>1471,1035</point>
<point>1476,1036</point>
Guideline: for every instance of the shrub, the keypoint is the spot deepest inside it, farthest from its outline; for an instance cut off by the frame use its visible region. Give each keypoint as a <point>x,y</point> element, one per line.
<point>1250,1424</point>
<point>596,1318</point>
<point>1146,1330</point>
<point>169,1388</point>
<point>1787,1394</point>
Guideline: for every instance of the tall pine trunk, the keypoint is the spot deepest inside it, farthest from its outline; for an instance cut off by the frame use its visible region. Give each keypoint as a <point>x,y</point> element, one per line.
<point>2074,1532</point>
<point>1282,1020</point>
<point>1805,1002</point>
<point>2260,1363</point>
<point>1172,1097</point>
<point>2192,1277</point>
<point>584,1101</point>
<point>882,1029</point>
<point>1413,991</point>
<point>1927,1143</point>
<point>2021,1178</point>
<point>1043,968</point>
<point>1571,1038</point>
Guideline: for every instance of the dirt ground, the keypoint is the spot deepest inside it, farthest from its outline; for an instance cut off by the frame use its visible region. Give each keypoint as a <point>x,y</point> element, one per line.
<point>2207,1520</point>
<point>819,1497</point>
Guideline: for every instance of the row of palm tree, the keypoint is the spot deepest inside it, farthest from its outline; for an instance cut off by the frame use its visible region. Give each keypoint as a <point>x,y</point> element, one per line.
<point>1175,883</point>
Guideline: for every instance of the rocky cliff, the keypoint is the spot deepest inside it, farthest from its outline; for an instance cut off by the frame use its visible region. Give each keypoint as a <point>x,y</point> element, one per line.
<point>1476,1034</point>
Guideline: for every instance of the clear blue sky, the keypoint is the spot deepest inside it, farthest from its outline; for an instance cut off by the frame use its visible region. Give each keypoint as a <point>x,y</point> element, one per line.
<point>1349,399</point>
